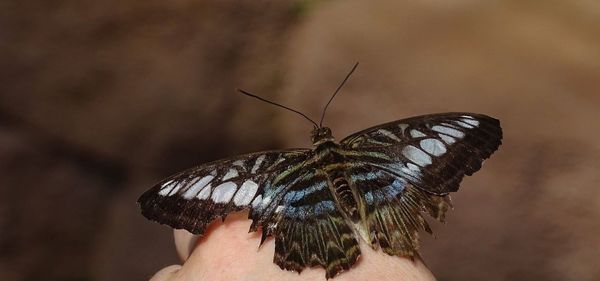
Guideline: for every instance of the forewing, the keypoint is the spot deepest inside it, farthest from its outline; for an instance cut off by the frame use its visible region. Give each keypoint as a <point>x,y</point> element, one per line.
<point>431,152</point>
<point>195,197</point>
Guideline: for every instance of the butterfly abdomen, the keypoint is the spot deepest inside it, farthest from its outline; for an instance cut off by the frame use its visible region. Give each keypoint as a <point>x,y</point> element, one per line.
<point>345,197</point>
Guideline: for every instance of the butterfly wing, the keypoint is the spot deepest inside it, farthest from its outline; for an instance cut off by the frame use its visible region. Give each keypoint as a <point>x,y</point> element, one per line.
<point>407,167</point>
<point>310,230</point>
<point>432,152</point>
<point>393,209</point>
<point>288,198</point>
<point>195,197</point>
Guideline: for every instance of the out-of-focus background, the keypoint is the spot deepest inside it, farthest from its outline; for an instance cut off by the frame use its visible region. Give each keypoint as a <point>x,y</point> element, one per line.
<point>100,99</point>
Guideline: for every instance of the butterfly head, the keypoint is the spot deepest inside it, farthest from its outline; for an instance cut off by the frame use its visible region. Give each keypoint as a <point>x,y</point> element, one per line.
<point>321,135</point>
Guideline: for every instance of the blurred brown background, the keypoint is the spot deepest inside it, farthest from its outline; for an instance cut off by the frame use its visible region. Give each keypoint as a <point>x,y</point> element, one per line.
<point>98,100</point>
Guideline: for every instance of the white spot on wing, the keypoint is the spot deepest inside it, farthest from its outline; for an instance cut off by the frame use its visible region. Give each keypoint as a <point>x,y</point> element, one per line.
<point>223,192</point>
<point>193,190</point>
<point>232,173</point>
<point>388,134</point>
<point>448,131</point>
<point>471,121</point>
<point>412,170</point>
<point>463,124</point>
<point>257,201</point>
<point>176,188</point>
<point>416,155</point>
<point>447,139</point>
<point>417,134</point>
<point>413,167</point>
<point>433,147</point>
<point>166,188</point>
<point>403,127</point>
<point>167,183</point>
<point>259,161</point>
<point>245,193</point>
<point>204,193</point>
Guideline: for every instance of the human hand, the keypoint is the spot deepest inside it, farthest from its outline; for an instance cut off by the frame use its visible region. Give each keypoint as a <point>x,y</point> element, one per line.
<point>229,252</point>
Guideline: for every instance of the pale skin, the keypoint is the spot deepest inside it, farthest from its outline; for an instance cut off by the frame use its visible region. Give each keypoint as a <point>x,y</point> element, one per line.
<point>229,252</point>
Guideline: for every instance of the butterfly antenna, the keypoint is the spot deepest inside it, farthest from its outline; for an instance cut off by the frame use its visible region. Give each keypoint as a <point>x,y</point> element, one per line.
<point>335,93</point>
<point>280,105</point>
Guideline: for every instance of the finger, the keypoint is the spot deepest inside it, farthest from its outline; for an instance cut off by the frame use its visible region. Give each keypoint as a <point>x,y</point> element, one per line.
<point>184,243</point>
<point>166,274</point>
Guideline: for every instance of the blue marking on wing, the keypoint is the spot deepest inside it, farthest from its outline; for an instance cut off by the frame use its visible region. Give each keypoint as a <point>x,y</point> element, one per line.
<point>369,198</point>
<point>386,193</point>
<point>306,211</point>
<point>293,196</point>
<point>399,184</point>
<point>367,176</point>
<point>271,191</point>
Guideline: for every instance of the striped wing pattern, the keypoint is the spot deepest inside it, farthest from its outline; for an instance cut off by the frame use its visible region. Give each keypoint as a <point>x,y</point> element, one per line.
<point>393,210</point>
<point>375,184</point>
<point>193,198</point>
<point>312,231</point>
<point>286,196</point>
<point>408,167</point>
<point>433,152</point>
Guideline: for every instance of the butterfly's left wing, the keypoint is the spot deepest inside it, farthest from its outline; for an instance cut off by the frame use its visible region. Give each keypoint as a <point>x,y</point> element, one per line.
<point>195,197</point>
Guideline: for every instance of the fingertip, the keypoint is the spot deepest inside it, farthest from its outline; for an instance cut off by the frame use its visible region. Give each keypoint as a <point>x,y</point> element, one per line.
<point>166,274</point>
<point>185,242</point>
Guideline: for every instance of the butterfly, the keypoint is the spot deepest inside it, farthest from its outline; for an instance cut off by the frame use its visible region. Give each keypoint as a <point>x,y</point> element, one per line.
<point>374,185</point>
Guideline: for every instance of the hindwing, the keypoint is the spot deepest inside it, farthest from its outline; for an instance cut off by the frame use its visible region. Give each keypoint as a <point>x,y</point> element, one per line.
<point>311,230</point>
<point>393,209</point>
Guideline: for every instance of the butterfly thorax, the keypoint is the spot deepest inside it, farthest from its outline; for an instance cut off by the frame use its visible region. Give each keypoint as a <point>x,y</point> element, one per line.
<point>332,162</point>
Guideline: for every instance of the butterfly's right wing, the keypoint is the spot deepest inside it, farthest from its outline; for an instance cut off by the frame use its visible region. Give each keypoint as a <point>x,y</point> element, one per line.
<point>406,167</point>
<point>195,197</point>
